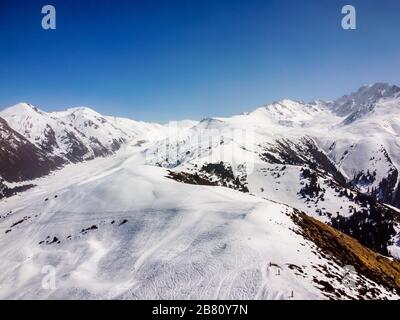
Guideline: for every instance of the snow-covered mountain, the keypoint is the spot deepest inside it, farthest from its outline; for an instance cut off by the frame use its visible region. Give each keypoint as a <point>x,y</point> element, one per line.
<point>76,134</point>
<point>151,215</point>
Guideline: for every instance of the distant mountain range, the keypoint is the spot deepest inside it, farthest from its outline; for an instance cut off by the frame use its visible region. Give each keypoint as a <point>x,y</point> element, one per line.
<point>335,162</point>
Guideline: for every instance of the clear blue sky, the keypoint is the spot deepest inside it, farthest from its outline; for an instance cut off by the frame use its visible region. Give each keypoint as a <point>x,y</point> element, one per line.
<point>161,60</point>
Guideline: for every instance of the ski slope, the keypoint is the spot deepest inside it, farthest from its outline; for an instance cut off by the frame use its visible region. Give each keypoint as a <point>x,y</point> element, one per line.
<point>125,231</point>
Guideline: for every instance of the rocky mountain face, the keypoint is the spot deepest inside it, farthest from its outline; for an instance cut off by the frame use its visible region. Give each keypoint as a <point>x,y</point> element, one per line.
<point>20,159</point>
<point>363,101</point>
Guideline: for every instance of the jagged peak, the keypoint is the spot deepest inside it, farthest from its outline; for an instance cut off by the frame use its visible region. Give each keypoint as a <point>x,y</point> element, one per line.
<point>376,90</point>
<point>379,86</point>
<point>364,99</point>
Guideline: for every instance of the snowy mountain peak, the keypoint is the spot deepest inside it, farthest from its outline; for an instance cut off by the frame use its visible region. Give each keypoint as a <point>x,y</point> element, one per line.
<point>364,100</point>
<point>379,89</point>
<point>22,108</point>
<point>289,112</point>
<point>288,103</point>
<point>84,111</point>
<point>209,124</point>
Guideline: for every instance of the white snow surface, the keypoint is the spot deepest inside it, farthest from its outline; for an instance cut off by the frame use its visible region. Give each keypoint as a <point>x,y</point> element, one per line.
<point>178,241</point>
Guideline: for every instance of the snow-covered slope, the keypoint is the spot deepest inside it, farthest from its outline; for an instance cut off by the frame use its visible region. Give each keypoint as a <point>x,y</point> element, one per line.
<point>115,228</point>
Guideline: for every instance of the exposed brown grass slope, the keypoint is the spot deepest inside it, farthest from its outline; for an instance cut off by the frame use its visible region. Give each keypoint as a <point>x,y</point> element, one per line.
<point>348,251</point>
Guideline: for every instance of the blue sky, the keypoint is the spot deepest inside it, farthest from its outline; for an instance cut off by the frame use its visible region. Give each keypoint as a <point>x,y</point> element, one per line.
<point>162,60</point>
